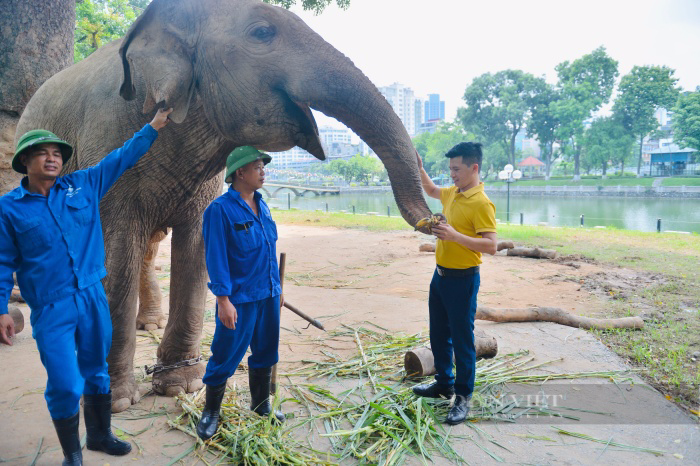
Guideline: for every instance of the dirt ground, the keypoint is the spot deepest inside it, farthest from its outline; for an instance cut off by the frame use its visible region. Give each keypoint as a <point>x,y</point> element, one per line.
<point>349,276</point>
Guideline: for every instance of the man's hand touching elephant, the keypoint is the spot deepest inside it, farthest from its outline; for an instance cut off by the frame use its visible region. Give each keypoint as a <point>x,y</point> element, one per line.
<point>7,329</point>
<point>227,312</point>
<point>161,119</point>
<point>446,232</point>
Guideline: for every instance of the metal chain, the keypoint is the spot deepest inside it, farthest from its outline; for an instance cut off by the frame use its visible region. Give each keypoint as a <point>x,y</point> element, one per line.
<point>154,369</point>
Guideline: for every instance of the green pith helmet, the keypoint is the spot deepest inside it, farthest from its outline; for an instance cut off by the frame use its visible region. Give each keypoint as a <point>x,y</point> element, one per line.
<point>35,137</point>
<point>242,156</point>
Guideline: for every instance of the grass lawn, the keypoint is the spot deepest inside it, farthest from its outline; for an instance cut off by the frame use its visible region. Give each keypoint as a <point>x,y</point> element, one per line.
<point>665,346</point>
<point>695,181</point>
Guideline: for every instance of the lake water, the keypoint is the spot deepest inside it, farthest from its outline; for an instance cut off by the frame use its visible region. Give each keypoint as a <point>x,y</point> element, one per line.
<point>625,213</point>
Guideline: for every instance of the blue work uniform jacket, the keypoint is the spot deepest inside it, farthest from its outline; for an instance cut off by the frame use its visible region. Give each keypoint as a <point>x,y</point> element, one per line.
<point>54,242</point>
<point>241,249</point>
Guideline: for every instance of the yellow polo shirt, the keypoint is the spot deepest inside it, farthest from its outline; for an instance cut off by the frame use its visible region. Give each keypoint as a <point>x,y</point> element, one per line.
<point>470,213</point>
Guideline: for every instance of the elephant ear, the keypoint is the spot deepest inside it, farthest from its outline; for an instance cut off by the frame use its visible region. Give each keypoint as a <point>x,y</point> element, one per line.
<point>157,48</point>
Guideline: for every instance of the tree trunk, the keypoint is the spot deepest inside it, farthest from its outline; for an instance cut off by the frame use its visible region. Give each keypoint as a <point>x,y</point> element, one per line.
<point>37,42</point>
<point>577,162</point>
<point>639,162</point>
<point>556,315</point>
<point>622,168</point>
<point>548,158</point>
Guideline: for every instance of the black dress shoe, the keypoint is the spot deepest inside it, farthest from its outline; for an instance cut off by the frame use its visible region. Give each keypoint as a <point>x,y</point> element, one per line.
<point>459,410</point>
<point>434,390</point>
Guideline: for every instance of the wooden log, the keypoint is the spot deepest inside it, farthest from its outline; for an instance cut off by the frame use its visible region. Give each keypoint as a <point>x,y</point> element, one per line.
<point>17,317</point>
<point>419,362</point>
<point>427,247</point>
<point>537,253</point>
<point>556,315</point>
<point>504,245</point>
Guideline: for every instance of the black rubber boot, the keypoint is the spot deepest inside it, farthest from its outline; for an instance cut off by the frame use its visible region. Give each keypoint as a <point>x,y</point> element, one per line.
<point>434,390</point>
<point>209,421</point>
<point>68,437</point>
<point>259,381</point>
<point>98,423</point>
<point>459,410</point>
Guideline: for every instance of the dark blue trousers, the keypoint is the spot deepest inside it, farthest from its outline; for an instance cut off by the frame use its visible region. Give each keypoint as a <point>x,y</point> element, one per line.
<point>258,326</point>
<point>452,305</point>
<point>73,336</point>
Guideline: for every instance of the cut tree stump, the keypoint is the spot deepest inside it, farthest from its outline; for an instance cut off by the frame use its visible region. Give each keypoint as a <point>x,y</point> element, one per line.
<point>419,362</point>
<point>18,317</point>
<point>536,253</point>
<point>556,315</point>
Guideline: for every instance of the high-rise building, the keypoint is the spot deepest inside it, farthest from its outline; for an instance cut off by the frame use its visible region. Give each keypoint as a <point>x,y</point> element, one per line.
<point>402,100</point>
<point>336,142</point>
<point>434,108</point>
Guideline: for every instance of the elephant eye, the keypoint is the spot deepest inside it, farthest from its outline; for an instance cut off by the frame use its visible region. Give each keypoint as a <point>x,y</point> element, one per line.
<point>264,33</point>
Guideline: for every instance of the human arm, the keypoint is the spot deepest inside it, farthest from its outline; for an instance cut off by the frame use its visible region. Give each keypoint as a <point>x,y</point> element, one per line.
<point>486,244</point>
<point>428,186</point>
<point>9,262</point>
<point>103,175</point>
<point>227,312</point>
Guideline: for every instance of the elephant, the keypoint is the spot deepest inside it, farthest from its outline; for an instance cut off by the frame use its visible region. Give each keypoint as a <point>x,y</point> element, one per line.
<point>235,72</point>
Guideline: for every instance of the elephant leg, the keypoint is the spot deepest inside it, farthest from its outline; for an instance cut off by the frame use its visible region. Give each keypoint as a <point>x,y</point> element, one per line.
<point>181,339</point>
<point>124,253</point>
<point>150,316</point>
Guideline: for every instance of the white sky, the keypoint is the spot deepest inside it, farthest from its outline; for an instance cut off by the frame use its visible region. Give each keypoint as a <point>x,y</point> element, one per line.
<point>439,46</point>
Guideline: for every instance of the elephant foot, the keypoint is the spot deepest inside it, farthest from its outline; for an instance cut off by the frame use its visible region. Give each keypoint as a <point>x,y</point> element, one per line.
<point>150,319</point>
<point>124,395</point>
<point>172,382</point>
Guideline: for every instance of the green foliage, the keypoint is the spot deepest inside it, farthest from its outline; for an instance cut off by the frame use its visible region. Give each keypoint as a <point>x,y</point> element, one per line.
<point>433,146</point>
<point>606,141</point>
<point>101,21</point>
<point>498,106</point>
<point>544,122</point>
<point>361,168</point>
<point>317,6</point>
<point>686,120</point>
<point>641,92</point>
<point>584,86</point>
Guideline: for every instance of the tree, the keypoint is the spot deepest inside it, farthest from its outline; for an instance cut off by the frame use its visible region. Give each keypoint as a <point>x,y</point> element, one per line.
<point>37,42</point>
<point>584,86</point>
<point>640,94</point>
<point>498,106</point>
<point>544,123</point>
<point>606,141</point>
<point>686,120</point>
<point>433,146</point>
<point>101,21</point>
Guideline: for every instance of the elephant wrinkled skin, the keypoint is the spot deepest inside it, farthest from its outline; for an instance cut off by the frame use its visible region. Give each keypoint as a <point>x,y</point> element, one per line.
<point>236,72</point>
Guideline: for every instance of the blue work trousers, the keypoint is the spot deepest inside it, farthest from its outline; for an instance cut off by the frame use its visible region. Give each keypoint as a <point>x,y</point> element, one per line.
<point>452,305</point>
<point>258,327</point>
<point>74,335</point>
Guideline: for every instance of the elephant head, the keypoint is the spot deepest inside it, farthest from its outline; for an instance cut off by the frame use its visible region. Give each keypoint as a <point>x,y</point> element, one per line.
<point>257,69</point>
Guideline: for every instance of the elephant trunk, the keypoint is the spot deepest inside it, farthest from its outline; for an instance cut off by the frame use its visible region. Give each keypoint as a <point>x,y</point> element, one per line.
<point>342,91</point>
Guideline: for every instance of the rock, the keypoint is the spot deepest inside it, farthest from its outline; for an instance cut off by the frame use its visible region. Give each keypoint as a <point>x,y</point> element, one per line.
<point>426,247</point>
<point>696,355</point>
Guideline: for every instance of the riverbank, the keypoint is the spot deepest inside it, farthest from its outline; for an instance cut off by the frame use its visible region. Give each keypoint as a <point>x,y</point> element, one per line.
<point>559,190</point>
<point>654,275</point>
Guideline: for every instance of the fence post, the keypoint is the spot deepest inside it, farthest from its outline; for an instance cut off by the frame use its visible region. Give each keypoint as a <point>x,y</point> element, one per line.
<point>581,219</point>
<point>289,201</point>
<point>326,207</point>
<point>388,211</point>
<point>521,218</point>
<point>353,210</point>
<point>658,225</point>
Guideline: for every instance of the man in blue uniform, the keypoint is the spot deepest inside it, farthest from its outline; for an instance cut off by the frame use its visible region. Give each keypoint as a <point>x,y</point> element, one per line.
<point>50,234</point>
<point>240,238</point>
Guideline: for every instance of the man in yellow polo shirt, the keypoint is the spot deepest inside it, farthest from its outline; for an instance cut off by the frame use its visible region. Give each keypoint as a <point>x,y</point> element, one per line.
<point>470,230</point>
